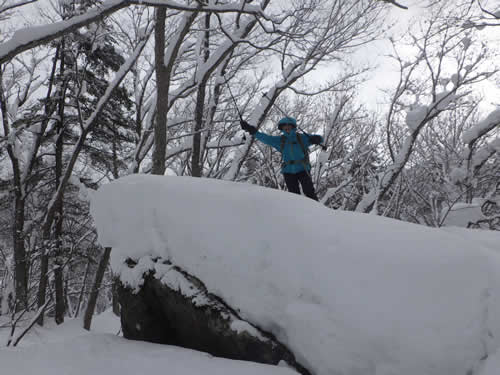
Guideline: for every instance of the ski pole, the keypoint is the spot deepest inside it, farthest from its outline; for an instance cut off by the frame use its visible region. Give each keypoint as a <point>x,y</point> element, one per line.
<point>323,147</point>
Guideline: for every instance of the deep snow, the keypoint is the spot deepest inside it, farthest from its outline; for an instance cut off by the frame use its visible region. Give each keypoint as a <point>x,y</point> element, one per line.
<point>350,293</point>
<point>70,350</point>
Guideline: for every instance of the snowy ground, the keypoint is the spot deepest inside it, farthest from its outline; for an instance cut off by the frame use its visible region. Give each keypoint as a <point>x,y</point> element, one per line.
<point>70,350</point>
<point>350,294</point>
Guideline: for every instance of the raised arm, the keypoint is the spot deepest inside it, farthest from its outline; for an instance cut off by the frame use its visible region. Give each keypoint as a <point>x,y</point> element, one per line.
<point>273,141</point>
<point>311,139</point>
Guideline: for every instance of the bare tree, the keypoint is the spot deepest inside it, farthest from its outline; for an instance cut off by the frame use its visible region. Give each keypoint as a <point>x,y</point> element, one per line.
<point>447,61</point>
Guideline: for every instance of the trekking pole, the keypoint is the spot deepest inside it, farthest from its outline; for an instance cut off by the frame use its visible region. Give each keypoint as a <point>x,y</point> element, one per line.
<point>323,147</point>
<point>274,104</point>
<point>234,100</point>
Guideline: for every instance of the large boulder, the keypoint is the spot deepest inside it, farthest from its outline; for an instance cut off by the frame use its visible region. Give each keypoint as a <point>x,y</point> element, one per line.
<point>173,307</point>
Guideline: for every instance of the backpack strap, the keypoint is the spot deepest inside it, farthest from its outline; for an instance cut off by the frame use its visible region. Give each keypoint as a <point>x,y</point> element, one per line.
<point>304,149</point>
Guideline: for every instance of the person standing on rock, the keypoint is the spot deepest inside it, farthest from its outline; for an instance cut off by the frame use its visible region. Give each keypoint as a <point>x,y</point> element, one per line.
<point>294,149</point>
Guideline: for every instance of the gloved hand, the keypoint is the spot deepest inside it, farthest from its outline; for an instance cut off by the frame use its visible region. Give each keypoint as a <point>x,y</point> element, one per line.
<point>315,139</point>
<point>247,127</point>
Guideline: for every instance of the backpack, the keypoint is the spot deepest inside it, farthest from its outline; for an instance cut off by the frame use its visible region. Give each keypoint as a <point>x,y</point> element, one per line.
<point>304,161</point>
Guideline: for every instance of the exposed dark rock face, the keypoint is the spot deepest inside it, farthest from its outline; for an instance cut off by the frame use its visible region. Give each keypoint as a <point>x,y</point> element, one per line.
<point>175,308</point>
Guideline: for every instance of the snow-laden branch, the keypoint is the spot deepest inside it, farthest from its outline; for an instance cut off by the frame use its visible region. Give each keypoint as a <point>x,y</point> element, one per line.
<point>484,153</point>
<point>25,39</point>
<point>482,127</point>
<point>416,120</point>
<point>476,158</point>
<point>204,69</point>
<point>16,5</point>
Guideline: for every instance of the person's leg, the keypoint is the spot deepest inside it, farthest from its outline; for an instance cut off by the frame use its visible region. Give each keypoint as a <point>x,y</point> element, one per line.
<point>307,185</point>
<point>292,182</point>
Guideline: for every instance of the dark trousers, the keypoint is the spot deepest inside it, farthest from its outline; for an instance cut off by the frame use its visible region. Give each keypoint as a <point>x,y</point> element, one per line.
<point>292,183</point>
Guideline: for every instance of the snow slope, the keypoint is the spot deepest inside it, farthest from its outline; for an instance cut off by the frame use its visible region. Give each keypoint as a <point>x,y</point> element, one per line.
<point>70,350</point>
<point>349,293</point>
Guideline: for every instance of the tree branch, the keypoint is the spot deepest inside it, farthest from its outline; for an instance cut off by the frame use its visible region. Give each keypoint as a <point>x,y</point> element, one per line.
<point>484,10</point>
<point>33,321</point>
<point>25,39</point>
<point>393,2</point>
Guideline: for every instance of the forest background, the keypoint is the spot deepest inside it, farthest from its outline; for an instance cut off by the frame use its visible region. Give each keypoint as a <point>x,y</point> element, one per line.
<point>94,90</point>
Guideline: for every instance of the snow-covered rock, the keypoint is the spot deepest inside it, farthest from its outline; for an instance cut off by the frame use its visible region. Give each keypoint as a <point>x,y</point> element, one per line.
<point>461,214</point>
<point>348,293</point>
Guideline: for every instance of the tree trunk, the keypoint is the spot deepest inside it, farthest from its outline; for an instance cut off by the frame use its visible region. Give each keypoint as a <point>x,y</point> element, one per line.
<point>59,288</point>
<point>58,270</point>
<point>116,302</point>
<point>42,286</point>
<point>114,149</point>
<point>82,291</point>
<point>196,169</point>
<point>160,127</point>
<point>68,303</point>
<point>101,269</point>
<point>46,235</point>
<point>20,261</point>
<point>196,164</point>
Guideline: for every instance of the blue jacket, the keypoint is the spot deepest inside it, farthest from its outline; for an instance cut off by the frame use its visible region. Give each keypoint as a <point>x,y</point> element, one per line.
<point>291,150</point>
